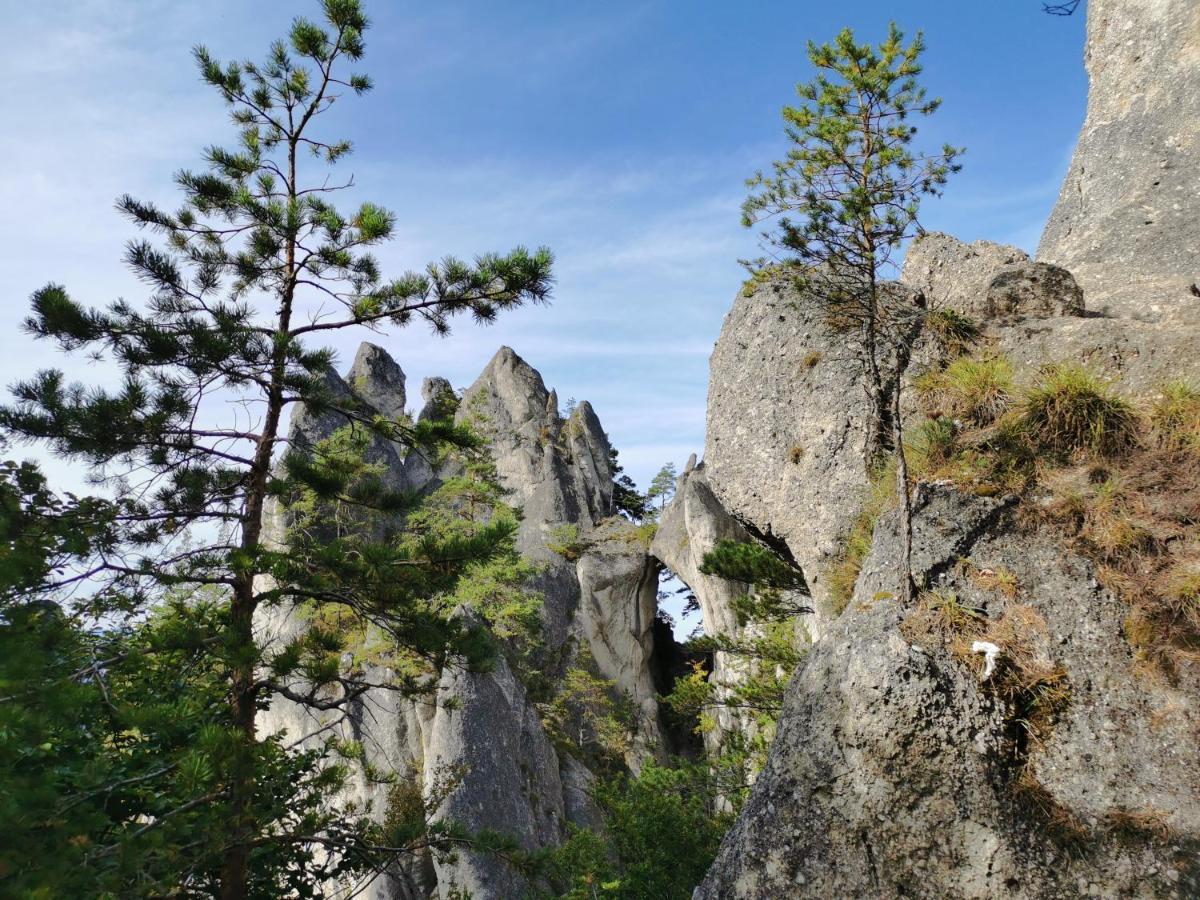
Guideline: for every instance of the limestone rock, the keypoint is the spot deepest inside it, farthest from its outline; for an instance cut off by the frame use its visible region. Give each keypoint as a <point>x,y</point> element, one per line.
<point>692,524</point>
<point>618,599</point>
<point>1125,223</point>
<point>439,399</point>
<point>1140,356</point>
<point>376,377</point>
<point>787,414</point>
<point>480,734</point>
<point>895,771</point>
<point>490,742</point>
<point>1034,291</point>
<point>954,275</point>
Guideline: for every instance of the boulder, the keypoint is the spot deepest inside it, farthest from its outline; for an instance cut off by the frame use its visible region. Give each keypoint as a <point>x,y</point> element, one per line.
<point>1125,223</point>
<point>954,275</point>
<point>787,418</point>
<point>1032,291</point>
<point>896,772</point>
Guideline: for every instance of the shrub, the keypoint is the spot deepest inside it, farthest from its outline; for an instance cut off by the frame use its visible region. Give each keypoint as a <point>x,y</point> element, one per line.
<point>931,447</point>
<point>973,390</point>
<point>661,833</point>
<point>956,333</point>
<point>566,541</point>
<point>1071,410</point>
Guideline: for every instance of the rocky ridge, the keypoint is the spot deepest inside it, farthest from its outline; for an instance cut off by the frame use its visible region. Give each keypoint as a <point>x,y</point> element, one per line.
<point>478,733</point>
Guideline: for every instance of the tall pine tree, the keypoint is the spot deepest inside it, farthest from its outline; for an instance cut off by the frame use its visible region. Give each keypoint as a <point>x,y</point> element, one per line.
<point>844,200</point>
<point>255,264</point>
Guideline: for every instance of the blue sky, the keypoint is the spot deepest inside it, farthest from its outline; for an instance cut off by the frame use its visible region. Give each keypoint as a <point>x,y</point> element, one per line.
<point>619,134</point>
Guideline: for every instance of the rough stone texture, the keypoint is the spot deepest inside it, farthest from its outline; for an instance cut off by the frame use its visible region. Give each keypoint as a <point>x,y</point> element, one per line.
<point>954,275</point>
<point>1139,354</point>
<point>893,773</point>
<point>377,378</point>
<point>1034,291</point>
<point>618,586</point>
<point>787,411</point>
<point>691,525</point>
<point>492,739</point>
<point>482,727</point>
<point>1125,223</point>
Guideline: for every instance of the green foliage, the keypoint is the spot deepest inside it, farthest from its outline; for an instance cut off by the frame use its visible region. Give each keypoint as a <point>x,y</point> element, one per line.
<point>842,202</point>
<point>662,487</point>
<point>661,834</point>
<point>112,745</point>
<point>626,497</point>
<point>589,717</point>
<point>848,190</point>
<point>1175,417</point>
<point>256,262</point>
<point>1070,410</point>
<point>751,563</point>
<point>770,643</point>
<point>566,541</point>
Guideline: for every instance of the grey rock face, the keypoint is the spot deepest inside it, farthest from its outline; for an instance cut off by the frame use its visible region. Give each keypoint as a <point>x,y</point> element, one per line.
<point>377,378</point>
<point>692,524</point>
<point>1125,223</point>
<point>894,775</point>
<point>438,397</point>
<point>1033,291</point>
<point>480,734</point>
<point>955,275</point>
<point>491,739</point>
<point>618,586</point>
<point>787,413</point>
<point>1049,326</point>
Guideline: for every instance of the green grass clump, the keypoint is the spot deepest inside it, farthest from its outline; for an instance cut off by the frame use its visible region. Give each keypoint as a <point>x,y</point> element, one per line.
<point>956,332</point>
<point>973,390</point>
<point>1175,417</point>
<point>931,447</point>
<point>1071,410</point>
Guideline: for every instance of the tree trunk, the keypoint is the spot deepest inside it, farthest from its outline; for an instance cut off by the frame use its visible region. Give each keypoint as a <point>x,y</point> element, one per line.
<point>907,583</point>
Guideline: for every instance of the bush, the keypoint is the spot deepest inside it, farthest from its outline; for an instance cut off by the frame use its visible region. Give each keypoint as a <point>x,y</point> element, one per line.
<point>931,447</point>
<point>973,390</point>
<point>661,836</point>
<point>566,541</point>
<point>1071,410</point>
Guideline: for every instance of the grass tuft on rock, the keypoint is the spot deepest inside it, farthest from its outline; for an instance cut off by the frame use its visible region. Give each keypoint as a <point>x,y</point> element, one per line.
<point>1070,410</point>
<point>956,332</point>
<point>972,390</point>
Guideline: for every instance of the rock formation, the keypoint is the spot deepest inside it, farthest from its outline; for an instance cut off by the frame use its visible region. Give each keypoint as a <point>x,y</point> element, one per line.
<point>1125,223</point>
<point>899,769</point>
<point>479,732</point>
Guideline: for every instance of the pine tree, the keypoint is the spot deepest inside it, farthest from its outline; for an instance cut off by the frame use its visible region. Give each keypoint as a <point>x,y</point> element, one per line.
<point>255,264</point>
<point>845,198</point>
<point>662,487</point>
